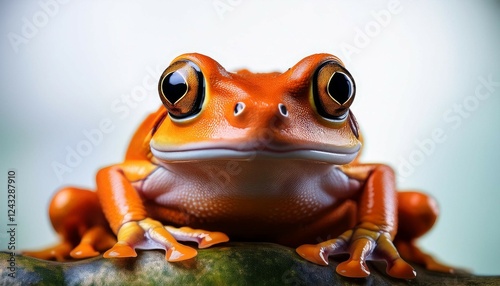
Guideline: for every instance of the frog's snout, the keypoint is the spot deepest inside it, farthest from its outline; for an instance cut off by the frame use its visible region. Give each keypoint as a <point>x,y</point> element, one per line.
<point>258,115</point>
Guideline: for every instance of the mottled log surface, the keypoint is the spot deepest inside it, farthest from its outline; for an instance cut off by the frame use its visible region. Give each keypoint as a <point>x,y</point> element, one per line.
<point>230,264</point>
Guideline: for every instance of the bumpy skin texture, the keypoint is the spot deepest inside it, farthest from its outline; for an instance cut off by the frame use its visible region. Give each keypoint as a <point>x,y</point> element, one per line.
<point>251,156</point>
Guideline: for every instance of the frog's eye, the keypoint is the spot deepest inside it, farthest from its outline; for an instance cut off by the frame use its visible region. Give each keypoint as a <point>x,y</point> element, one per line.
<point>333,90</point>
<point>182,89</point>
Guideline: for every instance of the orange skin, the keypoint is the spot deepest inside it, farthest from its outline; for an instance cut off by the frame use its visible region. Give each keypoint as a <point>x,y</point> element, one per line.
<point>251,156</point>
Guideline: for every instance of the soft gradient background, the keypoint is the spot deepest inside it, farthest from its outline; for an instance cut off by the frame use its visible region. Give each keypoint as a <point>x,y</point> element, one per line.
<point>85,58</point>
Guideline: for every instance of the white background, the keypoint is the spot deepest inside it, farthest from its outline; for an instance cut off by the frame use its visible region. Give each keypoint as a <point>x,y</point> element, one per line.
<point>65,67</point>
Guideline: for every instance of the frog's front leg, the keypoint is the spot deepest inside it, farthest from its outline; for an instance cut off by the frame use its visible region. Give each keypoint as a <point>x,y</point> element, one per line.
<point>371,238</point>
<point>128,217</point>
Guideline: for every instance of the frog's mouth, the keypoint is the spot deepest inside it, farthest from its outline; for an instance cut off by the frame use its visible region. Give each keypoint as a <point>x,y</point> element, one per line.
<point>201,152</point>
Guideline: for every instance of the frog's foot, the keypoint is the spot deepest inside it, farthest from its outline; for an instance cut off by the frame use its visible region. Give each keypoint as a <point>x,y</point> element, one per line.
<point>93,241</point>
<point>362,243</point>
<point>59,252</point>
<point>411,252</point>
<point>151,234</point>
<point>202,237</point>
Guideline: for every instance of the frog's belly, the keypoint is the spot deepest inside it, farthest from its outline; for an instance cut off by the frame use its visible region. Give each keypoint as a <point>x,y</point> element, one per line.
<point>237,195</point>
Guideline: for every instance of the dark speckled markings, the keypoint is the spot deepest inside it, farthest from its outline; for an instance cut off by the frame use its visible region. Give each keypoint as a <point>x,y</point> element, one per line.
<point>229,264</point>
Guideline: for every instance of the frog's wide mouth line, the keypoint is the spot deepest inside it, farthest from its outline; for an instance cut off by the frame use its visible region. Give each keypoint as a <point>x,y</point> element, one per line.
<point>339,158</point>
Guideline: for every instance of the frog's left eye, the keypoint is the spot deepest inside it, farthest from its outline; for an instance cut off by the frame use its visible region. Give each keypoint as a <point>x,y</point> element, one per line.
<point>182,89</point>
<point>333,90</point>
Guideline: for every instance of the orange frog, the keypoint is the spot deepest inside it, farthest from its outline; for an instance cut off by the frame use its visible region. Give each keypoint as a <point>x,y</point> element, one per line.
<point>253,156</point>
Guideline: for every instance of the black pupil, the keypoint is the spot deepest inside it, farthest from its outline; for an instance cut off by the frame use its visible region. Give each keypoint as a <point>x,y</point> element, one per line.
<point>174,87</point>
<point>238,108</point>
<point>283,110</point>
<point>339,87</point>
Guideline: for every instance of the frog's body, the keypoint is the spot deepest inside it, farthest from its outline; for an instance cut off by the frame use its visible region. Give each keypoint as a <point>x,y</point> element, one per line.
<point>269,156</point>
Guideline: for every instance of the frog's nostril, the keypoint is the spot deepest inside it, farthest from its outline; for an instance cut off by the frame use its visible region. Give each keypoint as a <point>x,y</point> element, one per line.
<point>238,108</point>
<point>283,110</point>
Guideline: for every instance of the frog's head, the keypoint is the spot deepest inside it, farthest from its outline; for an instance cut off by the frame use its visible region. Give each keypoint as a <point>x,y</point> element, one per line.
<point>302,113</point>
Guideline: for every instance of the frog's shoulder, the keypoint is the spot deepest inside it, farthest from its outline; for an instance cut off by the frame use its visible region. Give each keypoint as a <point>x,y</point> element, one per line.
<point>138,148</point>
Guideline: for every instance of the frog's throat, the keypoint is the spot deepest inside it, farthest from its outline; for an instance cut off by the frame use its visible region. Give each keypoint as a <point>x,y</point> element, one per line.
<point>320,156</point>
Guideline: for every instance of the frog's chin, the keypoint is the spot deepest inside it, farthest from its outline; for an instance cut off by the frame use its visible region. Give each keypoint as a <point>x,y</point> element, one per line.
<point>205,154</point>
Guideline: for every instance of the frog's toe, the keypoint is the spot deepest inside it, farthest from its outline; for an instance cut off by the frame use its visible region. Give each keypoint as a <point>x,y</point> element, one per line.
<point>120,249</point>
<point>319,253</point>
<point>83,250</point>
<point>213,238</point>
<point>179,252</point>
<point>202,237</point>
<point>438,267</point>
<point>353,268</point>
<point>314,253</point>
<point>396,266</point>
<point>401,269</point>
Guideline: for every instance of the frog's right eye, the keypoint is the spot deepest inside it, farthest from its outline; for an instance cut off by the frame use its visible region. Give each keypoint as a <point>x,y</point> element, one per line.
<point>182,89</point>
<point>333,90</point>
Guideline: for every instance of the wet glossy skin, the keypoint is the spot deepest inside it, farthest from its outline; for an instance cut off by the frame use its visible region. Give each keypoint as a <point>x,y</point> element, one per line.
<point>249,156</point>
